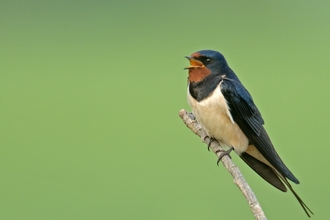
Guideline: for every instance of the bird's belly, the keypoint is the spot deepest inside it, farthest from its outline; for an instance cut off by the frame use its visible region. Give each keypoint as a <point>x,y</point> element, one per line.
<point>214,116</point>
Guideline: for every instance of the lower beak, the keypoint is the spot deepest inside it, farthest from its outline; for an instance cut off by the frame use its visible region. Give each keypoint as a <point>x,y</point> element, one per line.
<point>194,63</point>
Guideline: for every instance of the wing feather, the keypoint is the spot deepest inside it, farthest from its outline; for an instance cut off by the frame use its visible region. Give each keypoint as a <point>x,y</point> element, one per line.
<point>248,118</point>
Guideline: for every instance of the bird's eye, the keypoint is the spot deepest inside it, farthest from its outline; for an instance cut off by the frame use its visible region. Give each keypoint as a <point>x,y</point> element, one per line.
<point>208,60</point>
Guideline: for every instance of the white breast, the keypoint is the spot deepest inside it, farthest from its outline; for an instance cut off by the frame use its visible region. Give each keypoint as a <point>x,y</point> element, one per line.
<point>214,116</point>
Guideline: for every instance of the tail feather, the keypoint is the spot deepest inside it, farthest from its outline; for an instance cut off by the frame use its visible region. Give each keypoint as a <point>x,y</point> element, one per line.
<point>303,205</point>
<point>272,176</point>
<point>266,172</point>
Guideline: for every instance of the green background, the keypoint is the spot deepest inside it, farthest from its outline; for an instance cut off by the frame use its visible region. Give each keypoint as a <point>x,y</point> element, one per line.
<point>90,93</point>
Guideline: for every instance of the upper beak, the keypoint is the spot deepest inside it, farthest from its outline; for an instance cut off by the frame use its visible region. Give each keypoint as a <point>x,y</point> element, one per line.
<point>194,63</point>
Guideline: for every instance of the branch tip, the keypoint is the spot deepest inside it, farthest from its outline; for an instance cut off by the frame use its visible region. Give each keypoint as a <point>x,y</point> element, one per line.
<point>189,120</point>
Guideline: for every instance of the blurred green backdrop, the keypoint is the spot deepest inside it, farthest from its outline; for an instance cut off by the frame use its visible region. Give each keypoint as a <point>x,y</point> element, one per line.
<point>90,93</point>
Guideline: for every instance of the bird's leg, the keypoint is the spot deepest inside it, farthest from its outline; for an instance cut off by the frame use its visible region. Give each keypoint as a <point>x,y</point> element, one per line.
<point>210,142</point>
<point>223,154</point>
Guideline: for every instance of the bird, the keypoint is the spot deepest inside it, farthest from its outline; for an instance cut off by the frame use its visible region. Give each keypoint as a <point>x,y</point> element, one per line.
<point>226,111</point>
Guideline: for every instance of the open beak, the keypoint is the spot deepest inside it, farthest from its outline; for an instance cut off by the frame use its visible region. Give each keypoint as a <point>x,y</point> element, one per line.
<point>194,63</point>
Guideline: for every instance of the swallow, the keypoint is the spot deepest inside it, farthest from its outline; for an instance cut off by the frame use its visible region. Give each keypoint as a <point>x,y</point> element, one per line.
<point>226,111</point>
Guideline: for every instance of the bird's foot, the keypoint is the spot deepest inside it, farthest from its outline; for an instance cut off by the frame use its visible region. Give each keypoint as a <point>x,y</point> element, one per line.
<point>223,154</point>
<point>210,142</point>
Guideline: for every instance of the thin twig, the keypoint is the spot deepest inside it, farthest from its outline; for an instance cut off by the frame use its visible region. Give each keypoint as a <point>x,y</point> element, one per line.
<point>192,124</point>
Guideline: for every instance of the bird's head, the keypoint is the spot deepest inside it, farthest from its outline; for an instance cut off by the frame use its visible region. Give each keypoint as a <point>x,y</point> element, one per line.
<point>204,63</point>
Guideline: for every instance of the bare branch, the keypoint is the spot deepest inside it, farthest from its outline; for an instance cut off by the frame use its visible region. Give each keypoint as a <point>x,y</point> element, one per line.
<point>192,124</point>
